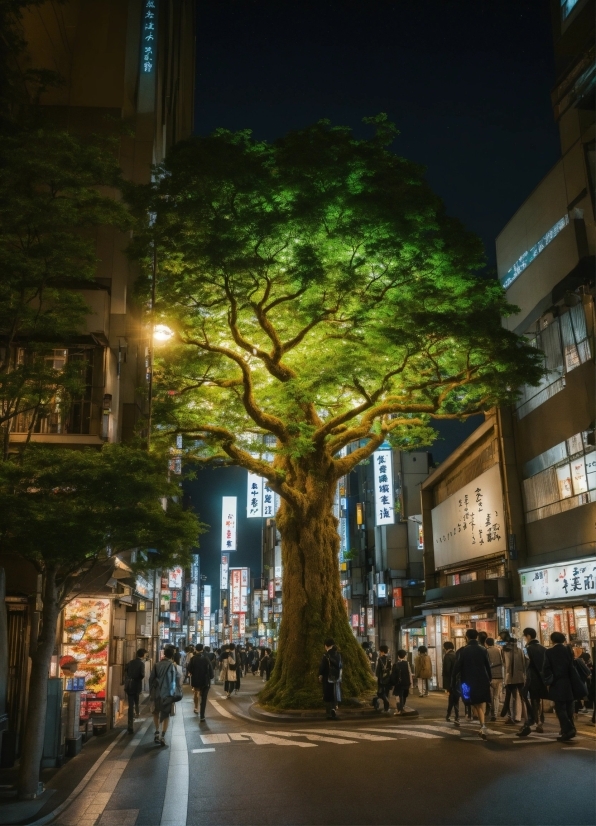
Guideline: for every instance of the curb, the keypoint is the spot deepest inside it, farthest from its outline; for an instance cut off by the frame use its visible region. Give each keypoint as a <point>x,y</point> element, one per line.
<point>262,715</point>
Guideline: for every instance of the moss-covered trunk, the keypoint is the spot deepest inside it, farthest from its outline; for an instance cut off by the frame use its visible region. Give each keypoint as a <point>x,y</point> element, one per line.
<point>313,606</point>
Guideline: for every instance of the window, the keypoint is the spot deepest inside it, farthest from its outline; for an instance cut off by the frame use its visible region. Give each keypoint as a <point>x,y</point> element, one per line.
<point>567,7</point>
<point>562,477</point>
<point>566,345</point>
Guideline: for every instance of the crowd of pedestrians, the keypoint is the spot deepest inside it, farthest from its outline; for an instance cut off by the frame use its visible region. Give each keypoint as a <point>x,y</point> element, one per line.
<point>493,679</point>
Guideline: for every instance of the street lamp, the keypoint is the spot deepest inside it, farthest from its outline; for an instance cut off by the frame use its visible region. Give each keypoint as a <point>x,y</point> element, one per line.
<point>162,333</point>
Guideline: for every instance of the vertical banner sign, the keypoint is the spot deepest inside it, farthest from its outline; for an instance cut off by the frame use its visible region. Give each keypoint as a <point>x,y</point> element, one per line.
<point>242,625</point>
<point>206,602</point>
<point>194,598</point>
<point>268,501</point>
<point>149,48</point>
<point>254,496</point>
<point>235,590</point>
<point>225,567</point>
<point>228,523</point>
<point>398,598</point>
<point>384,496</point>
<point>370,618</point>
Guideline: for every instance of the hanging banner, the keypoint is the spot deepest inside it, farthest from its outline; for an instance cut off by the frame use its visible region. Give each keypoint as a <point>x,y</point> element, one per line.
<point>175,578</point>
<point>228,523</point>
<point>254,496</point>
<point>269,501</point>
<point>384,495</point>
<point>225,567</point>
<point>235,588</point>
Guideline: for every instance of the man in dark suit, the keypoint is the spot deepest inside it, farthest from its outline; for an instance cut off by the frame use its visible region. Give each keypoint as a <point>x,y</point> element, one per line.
<point>560,659</point>
<point>472,666</point>
<point>535,689</point>
<point>201,674</point>
<point>133,685</point>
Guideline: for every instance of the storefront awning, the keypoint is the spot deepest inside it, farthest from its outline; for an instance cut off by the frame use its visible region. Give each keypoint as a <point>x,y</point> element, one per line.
<point>481,590</point>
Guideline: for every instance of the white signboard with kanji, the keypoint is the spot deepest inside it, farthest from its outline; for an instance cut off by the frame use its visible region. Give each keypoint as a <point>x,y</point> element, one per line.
<point>254,496</point>
<point>470,523</point>
<point>228,523</point>
<point>573,579</point>
<point>384,495</point>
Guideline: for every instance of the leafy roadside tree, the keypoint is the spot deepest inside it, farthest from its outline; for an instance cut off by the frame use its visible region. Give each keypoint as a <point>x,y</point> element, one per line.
<point>53,198</point>
<point>319,294</point>
<point>64,511</point>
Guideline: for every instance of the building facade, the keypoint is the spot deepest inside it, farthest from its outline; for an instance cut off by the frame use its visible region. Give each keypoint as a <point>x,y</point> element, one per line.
<point>128,70</point>
<point>545,259</point>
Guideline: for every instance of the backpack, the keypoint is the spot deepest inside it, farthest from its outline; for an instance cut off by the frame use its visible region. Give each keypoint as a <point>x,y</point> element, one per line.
<point>385,673</point>
<point>334,672</point>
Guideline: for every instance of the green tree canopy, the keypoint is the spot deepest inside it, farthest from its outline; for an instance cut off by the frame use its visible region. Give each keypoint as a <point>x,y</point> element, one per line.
<point>68,511</point>
<point>319,293</point>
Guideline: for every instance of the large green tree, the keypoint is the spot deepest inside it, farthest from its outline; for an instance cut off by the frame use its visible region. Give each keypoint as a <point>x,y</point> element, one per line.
<point>319,294</point>
<point>68,511</point>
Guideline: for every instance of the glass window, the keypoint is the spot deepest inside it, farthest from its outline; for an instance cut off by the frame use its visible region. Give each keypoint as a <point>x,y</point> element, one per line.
<point>567,7</point>
<point>591,470</point>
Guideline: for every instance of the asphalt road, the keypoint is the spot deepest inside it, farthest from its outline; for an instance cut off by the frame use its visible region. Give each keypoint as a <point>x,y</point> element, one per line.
<point>233,770</point>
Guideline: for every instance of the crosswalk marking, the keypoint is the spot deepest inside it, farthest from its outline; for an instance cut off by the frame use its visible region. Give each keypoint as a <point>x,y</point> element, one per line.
<point>219,708</point>
<point>212,739</point>
<point>357,735</point>
<point>408,732</point>
<point>326,739</point>
<point>201,751</point>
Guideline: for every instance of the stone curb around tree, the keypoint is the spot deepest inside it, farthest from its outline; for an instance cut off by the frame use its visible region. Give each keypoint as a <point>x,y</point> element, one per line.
<point>259,713</point>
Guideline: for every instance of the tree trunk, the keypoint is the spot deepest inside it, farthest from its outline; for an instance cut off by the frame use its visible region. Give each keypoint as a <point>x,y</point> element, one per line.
<point>313,608</point>
<point>32,745</point>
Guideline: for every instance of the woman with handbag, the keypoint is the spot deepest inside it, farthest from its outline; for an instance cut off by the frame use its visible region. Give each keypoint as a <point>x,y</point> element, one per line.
<point>228,670</point>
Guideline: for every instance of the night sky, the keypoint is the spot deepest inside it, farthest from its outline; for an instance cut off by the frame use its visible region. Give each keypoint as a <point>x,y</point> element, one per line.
<point>466,81</point>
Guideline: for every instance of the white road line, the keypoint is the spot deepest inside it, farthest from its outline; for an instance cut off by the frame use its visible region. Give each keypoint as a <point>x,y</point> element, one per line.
<point>201,751</point>
<point>220,709</point>
<point>317,737</point>
<point>266,739</point>
<point>175,805</point>
<point>407,732</point>
<point>356,735</point>
<point>212,739</point>
<point>444,729</point>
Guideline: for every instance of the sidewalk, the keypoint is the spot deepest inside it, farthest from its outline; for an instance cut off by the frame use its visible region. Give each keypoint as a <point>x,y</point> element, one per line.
<point>61,782</point>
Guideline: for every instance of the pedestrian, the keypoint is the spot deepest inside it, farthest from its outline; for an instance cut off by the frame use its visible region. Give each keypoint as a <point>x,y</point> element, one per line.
<point>368,652</point>
<point>423,670</point>
<point>383,675</point>
<point>591,687</point>
<point>482,638</point>
<point>228,669</point>
<point>201,674</point>
<point>535,690</point>
<point>240,661</point>
<point>401,680</point>
<point>514,671</point>
<point>330,674</point>
<point>263,664</point>
<point>448,666</point>
<point>190,652</point>
<point>166,690</point>
<point>495,657</point>
<point>270,663</point>
<point>560,659</point>
<point>584,675</point>
<point>133,685</point>
<point>472,667</point>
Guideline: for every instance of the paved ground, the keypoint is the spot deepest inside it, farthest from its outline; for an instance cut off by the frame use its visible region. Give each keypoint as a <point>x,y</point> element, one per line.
<point>386,770</point>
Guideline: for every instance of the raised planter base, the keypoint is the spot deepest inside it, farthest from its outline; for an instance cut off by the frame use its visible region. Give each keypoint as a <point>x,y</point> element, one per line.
<point>345,712</point>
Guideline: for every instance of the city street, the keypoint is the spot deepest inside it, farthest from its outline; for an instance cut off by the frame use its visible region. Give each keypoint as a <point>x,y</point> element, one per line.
<point>236,770</point>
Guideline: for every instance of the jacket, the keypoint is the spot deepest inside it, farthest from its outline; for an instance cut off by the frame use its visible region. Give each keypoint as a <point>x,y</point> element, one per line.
<point>560,659</point>
<point>472,670</point>
<point>423,669</point>
<point>537,667</point>
<point>228,674</point>
<point>400,676</point>
<point>201,671</point>
<point>164,680</point>
<point>448,666</point>
<point>383,670</point>
<point>134,674</point>
<point>495,659</point>
<point>330,666</point>
<point>515,664</point>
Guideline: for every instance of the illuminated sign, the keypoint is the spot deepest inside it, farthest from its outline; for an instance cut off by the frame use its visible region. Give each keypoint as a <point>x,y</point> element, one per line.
<point>149,34</point>
<point>469,523</point>
<point>235,590</point>
<point>398,599</point>
<point>206,602</point>
<point>228,523</point>
<point>572,580</point>
<point>87,638</point>
<point>194,598</point>
<point>225,567</point>
<point>528,256</point>
<point>254,496</point>
<point>384,496</point>
<point>175,578</point>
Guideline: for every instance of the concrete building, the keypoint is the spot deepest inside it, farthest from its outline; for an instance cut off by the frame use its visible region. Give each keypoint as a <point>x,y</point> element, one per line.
<point>128,69</point>
<point>545,258</point>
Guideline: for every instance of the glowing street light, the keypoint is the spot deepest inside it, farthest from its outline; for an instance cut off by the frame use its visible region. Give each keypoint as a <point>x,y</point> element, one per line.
<point>162,333</point>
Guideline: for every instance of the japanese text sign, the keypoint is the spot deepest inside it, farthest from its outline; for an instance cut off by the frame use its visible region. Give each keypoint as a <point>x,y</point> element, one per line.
<point>384,495</point>
<point>571,580</point>
<point>254,496</point>
<point>228,523</point>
